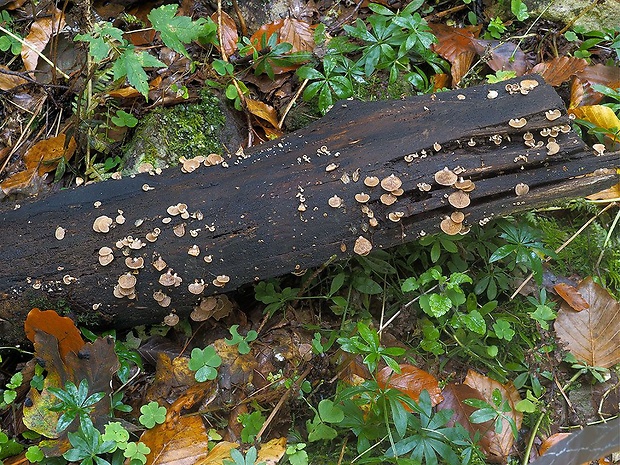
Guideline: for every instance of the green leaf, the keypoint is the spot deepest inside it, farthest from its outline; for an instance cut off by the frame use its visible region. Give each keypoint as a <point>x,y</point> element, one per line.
<point>435,304</point>
<point>123,119</point>
<point>204,362</point>
<point>152,413</point>
<point>475,322</point>
<point>519,9</point>
<point>366,285</point>
<point>318,430</point>
<point>131,64</point>
<point>178,30</point>
<point>330,412</point>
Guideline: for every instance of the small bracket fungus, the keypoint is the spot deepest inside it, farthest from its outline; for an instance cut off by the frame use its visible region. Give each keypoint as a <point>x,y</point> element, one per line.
<point>391,183</point>
<point>371,181</point>
<point>517,122</point>
<point>102,224</point>
<point>221,280</point>
<point>196,287</point>
<point>466,185</point>
<point>331,167</point>
<point>146,188</point>
<point>448,226</point>
<point>168,279</point>
<point>159,264</point>
<point>362,246</point>
<point>362,197</point>
<point>424,186</point>
<point>335,202</point>
<point>134,263</point>
<point>105,256</point>
<point>213,159</point>
<point>445,177</point>
<point>189,165</point>
<point>553,148</point>
<point>120,219</point>
<point>459,199</point>
<point>172,319</point>
<point>599,149</point>
<point>127,281</point>
<point>179,230</point>
<point>194,251</point>
<point>395,216</point>
<point>528,84</point>
<point>59,234</point>
<point>388,199</point>
<point>522,189</point>
<point>492,94</point>
<point>552,115</point>
<point>437,146</point>
<point>457,217</point>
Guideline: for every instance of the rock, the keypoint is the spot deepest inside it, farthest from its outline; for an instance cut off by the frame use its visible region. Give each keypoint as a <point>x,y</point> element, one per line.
<point>186,130</point>
<point>603,16</point>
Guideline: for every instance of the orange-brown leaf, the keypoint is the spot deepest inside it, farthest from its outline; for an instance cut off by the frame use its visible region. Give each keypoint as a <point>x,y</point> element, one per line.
<point>230,36</point>
<point>613,193</point>
<point>61,327</point>
<point>411,381</point>
<point>453,397</point>
<point>581,90</point>
<point>456,45</point>
<point>8,81</point>
<point>46,154</point>
<point>499,444</point>
<point>552,441</point>
<point>571,296</point>
<point>592,335</point>
<point>266,30</point>
<point>263,111</point>
<point>40,33</point>
<point>560,69</point>
<point>299,34</point>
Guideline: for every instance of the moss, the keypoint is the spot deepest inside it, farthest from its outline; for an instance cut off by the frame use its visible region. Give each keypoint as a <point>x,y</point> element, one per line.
<point>377,87</point>
<point>166,134</point>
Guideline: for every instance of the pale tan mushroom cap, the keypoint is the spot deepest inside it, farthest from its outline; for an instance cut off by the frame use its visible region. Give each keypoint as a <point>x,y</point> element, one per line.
<point>459,199</point>
<point>362,246</point>
<point>448,226</point>
<point>445,177</point>
<point>391,183</point>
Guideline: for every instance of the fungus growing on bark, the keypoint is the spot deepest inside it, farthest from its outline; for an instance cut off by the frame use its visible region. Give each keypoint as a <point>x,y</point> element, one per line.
<point>528,84</point>
<point>424,186</point>
<point>362,197</point>
<point>105,256</point>
<point>59,234</point>
<point>552,148</point>
<point>448,226</point>
<point>159,264</point>
<point>492,94</point>
<point>457,216</point>
<point>371,181</point>
<point>213,159</point>
<point>196,287</point>
<point>331,167</point>
<point>522,189</point>
<point>391,183</point>
<point>599,149</point>
<point>179,230</point>
<point>194,251</point>
<point>102,224</point>
<point>388,199</point>
<point>459,199</point>
<point>172,319</point>
<point>221,280</point>
<point>362,246</point>
<point>335,202</point>
<point>134,263</point>
<point>552,115</point>
<point>445,177</point>
<point>517,122</point>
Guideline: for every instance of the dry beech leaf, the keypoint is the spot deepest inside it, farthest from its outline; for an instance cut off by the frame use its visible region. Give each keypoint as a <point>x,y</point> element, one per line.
<point>599,115</point>
<point>263,111</point>
<point>499,444</point>
<point>592,335</point>
<point>559,70</point>
<point>46,154</point>
<point>8,81</point>
<point>440,80</point>
<point>299,34</point>
<point>61,327</point>
<point>130,92</point>
<point>272,451</point>
<point>219,453</point>
<point>552,441</point>
<point>410,381</point>
<point>613,193</point>
<point>275,27</point>
<point>571,296</point>
<point>181,438</point>
<point>40,33</point>
<point>503,56</point>
<point>266,30</point>
<point>453,397</point>
<point>456,45</point>
<point>230,36</point>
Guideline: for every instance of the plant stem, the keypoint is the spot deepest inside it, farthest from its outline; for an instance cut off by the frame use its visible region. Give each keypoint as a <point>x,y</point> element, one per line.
<point>530,442</point>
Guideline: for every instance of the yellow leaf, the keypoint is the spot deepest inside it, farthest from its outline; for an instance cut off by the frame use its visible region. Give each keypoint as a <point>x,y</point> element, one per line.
<point>602,116</point>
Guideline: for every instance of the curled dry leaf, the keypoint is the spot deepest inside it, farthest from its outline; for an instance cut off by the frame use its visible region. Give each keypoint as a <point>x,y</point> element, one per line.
<point>262,110</point>
<point>571,296</point>
<point>552,441</point>
<point>559,70</point>
<point>230,36</point>
<point>592,335</point>
<point>8,81</point>
<point>62,327</point>
<point>410,381</point>
<point>581,90</point>
<point>503,55</point>
<point>456,45</point>
<point>499,444</point>
<point>40,33</point>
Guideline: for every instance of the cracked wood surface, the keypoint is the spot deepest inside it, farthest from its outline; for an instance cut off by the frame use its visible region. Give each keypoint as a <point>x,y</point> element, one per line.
<point>253,204</point>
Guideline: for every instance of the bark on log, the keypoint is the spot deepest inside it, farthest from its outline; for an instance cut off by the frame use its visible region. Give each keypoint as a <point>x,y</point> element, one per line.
<point>253,204</point>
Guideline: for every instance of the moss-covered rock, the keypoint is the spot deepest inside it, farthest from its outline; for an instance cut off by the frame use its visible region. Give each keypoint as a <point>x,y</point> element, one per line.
<point>188,130</point>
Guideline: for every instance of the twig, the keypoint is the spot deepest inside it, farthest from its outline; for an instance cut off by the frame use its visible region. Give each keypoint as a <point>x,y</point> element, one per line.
<point>583,12</point>
<point>342,450</point>
<point>530,442</point>
<point>244,28</point>
<point>292,102</point>
<point>283,399</point>
<point>25,43</point>
<point>607,239</point>
<point>561,247</point>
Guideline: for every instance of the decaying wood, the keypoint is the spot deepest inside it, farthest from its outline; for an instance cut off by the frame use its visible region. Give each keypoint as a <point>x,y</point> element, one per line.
<point>251,223</point>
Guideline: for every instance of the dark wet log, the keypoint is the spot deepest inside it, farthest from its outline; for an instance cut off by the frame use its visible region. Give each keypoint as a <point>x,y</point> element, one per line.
<point>253,205</point>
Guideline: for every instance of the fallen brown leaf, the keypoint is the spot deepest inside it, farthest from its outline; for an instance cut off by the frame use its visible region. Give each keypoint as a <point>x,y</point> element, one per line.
<point>40,33</point>
<point>8,81</point>
<point>61,327</point>
<point>411,381</point>
<point>263,111</point>
<point>571,296</point>
<point>592,335</point>
<point>230,36</point>
<point>560,69</point>
<point>500,444</point>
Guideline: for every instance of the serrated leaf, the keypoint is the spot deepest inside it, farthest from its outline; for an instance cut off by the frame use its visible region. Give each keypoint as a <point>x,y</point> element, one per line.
<point>175,30</point>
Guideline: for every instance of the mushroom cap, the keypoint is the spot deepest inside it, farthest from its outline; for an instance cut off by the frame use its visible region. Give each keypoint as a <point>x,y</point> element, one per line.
<point>552,115</point>
<point>102,224</point>
<point>194,250</point>
<point>445,177</point>
<point>522,189</point>
<point>167,279</point>
<point>179,230</point>
<point>59,234</point>
<point>448,226</point>
<point>105,260</point>
<point>388,199</point>
<point>398,192</point>
<point>492,94</point>
<point>165,302</point>
<point>424,186</point>
<point>159,264</point>
<point>373,222</point>
<point>171,319</point>
<point>362,197</point>
<point>517,122</point>
<point>103,251</point>
<point>466,185</point>
<point>158,296</point>
<point>362,246</point>
<point>134,263</point>
<point>459,199</point>
<point>553,148</point>
<point>457,217</point>
<point>335,201</point>
<point>528,84</point>
<point>223,278</point>
<point>127,281</point>
<point>391,183</point>
<point>392,216</point>
<point>213,159</point>
<point>331,167</point>
<point>371,181</point>
<point>196,287</point>
<point>599,148</point>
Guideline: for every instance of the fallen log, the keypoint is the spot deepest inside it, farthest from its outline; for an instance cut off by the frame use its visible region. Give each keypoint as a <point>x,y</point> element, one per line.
<point>269,212</point>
